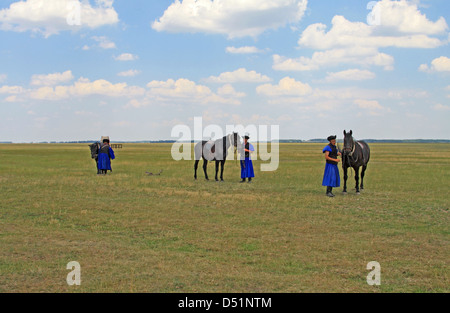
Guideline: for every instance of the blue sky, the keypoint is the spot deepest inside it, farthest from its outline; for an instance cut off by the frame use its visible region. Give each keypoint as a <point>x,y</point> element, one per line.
<point>76,70</point>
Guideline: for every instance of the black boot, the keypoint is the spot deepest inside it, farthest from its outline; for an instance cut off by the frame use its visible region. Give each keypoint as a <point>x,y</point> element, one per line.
<point>249,179</point>
<point>331,191</point>
<point>243,180</point>
<point>329,194</point>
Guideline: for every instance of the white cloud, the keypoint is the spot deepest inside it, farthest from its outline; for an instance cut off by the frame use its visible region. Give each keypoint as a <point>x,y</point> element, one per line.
<point>368,104</point>
<point>402,25</point>
<point>126,57</point>
<point>129,73</point>
<point>344,33</point>
<point>243,50</point>
<point>441,107</point>
<point>51,79</point>
<point>239,75</point>
<point>11,90</point>
<point>334,57</point>
<point>405,17</point>
<point>83,87</point>
<point>228,91</point>
<point>286,87</point>
<point>49,17</point>
<point>234,18</point>
<point>104,42</point>
<point>137,103</point>
<point>352,74</point>
<point>372,107</point>
<point>441,64</point>
<point>185,91</point>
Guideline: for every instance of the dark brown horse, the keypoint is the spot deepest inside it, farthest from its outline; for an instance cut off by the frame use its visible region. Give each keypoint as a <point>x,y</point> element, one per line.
<point>95,147</point>
<point>355,154</point>
<point>215,151</point>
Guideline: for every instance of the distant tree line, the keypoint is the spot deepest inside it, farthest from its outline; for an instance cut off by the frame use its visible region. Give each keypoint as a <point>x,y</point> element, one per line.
<point>320,140</point>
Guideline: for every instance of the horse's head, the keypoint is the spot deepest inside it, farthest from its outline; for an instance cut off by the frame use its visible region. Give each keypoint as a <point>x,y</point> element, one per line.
<point>94,149</point>
<point>349,143</point>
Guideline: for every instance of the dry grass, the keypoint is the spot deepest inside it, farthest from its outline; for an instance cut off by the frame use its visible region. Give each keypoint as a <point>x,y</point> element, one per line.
<point>136,233</point>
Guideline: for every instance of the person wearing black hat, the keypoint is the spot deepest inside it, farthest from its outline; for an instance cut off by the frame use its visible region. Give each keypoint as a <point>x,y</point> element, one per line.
<point>246,164</point>
<point>105,155</point>
<point>331,175</point>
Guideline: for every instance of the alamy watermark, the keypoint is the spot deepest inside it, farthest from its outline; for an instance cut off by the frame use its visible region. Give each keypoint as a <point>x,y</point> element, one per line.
<point>374,17</point>
<point>267,136</point>
<point>74,277</point>
<point>74,16</point>
<point>374,277</point>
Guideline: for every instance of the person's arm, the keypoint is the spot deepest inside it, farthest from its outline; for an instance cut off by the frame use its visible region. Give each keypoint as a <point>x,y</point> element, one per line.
<point>111,153</point>
<point>251,149</point>
<point>327,157</point>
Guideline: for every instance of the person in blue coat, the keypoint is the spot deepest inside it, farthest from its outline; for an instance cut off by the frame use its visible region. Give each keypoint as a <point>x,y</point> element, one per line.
<point>331,175</point>
<point>246,163</point>
<point>105,155</point>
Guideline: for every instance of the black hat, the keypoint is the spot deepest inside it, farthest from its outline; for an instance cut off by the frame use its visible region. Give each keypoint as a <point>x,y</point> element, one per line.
<point>331,138</point>
<point>247,136</point>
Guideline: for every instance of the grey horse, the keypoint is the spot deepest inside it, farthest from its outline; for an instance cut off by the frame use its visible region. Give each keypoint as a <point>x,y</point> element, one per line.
<point>215,151</point>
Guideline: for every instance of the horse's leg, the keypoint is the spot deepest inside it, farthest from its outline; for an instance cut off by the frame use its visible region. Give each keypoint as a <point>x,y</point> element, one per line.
<point>345,178</point>
<point>357,179</point>
<point>217,169</point>
<point>195,168</point>
<point>221,170</point>
<point>362,176</point>
<point>205,165</point>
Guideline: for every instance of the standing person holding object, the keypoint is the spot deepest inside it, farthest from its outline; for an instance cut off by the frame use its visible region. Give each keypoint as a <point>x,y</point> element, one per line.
<point>246,163</point>
<point>331,175</point>
<point>105,155</point>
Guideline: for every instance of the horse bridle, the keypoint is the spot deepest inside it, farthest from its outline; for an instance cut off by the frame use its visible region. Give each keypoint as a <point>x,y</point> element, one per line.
<point>351,153</point>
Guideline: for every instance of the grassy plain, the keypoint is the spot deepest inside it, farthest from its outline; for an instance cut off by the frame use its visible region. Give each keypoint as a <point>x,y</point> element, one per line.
<point>136,233</point>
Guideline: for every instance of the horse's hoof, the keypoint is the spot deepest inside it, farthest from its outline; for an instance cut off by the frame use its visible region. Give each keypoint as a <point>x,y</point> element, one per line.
<point>344,192</point>
<point>358,193</point>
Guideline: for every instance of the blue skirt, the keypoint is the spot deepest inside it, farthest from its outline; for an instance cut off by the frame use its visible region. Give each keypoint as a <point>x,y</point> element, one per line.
<point>247,168</point>
<point>331,176</point>
<point>104,163</point>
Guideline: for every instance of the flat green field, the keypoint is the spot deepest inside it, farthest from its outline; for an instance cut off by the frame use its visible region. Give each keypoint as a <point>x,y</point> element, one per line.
<point>136,233</point>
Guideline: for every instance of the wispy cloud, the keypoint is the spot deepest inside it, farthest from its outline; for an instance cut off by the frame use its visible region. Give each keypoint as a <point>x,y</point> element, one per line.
<point>129,73</point>
<point>244,50</point>
<point>240,75</point>
<point>352,74</point>
<point>126,57</point>
<point>51,79</point>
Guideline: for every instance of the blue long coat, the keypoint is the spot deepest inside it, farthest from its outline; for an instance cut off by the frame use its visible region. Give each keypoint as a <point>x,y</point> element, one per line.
<point>331,175</point>
<point>247,164</point>
<point>104,159</point>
